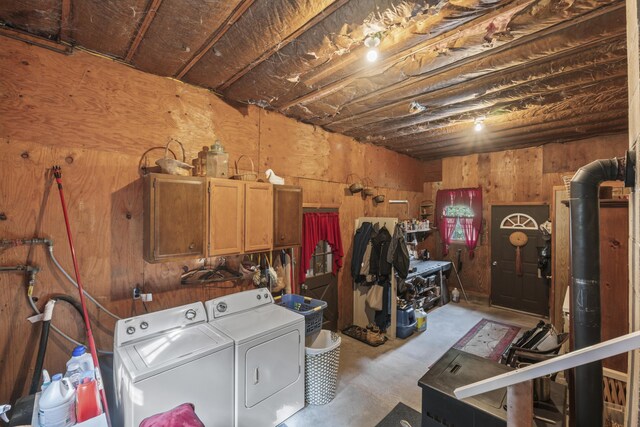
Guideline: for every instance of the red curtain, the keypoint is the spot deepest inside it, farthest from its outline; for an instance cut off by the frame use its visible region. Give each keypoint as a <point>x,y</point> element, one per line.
<point>471,197</point>
<point>317,227</point>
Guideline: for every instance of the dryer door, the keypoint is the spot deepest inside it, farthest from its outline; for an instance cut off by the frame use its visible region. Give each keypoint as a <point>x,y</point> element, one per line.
<point>272,366</point>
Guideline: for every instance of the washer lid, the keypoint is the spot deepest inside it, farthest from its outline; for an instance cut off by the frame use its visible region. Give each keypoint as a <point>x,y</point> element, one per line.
<point>172,348</point>
<point>245,326</point>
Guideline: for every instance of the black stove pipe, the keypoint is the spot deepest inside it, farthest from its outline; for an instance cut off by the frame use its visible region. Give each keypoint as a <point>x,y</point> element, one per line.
<point>585,282</point>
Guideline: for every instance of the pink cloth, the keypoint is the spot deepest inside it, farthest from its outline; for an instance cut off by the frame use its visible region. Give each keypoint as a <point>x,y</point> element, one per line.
<point>181,416</point>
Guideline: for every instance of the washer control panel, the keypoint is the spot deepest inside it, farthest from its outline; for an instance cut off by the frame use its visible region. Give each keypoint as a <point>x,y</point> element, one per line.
<point>235,303</point>
<point>148,324</point>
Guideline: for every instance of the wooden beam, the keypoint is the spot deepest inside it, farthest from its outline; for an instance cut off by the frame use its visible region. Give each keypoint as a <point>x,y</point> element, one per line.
<point>217,35</point>
<point>572,31</point>
<point>337,4</point>
<point>591,52</point>
<point>489,136</point>
<point>150,13</point>
<point>478,24</point>
<point>42,42</point>
<point>486,105</point>
<point>546,137</point>
<point>520,404</point>
<point>546,113</point>
<point>65,21</point>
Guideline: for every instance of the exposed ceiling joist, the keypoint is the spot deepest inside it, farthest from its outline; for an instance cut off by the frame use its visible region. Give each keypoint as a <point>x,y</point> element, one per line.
<point>149,14</point>
<point>591,51</point>
<point>217,35</point>
<point>481,22</point>
<point>337,4</point>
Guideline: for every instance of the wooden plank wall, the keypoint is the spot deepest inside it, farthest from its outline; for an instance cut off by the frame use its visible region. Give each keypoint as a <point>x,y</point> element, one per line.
<point>96,117</point>
<point>513,176</point>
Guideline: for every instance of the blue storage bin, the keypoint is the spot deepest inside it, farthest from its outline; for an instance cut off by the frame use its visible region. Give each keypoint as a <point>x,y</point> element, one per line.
<point>310,308</point>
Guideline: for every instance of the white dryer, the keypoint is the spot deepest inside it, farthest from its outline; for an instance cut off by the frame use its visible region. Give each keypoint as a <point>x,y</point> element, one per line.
<point>170,357</point>
<point>269,356</point>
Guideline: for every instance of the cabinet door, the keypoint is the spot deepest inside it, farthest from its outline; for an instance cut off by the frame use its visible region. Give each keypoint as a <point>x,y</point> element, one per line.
<point>287,216</point>
<point>258,223</point>
<point>226,216</point>
<point>175,222</point>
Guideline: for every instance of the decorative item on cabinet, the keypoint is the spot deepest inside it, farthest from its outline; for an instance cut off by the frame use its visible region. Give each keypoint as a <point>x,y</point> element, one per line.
<point>379,199</point>
<point>426,209</point>
<point>245,176</point>
<point>273,178</point>
<point>287,210</point>
<point>174,217</point>
<point>217,161</point>
<point>172,166</point>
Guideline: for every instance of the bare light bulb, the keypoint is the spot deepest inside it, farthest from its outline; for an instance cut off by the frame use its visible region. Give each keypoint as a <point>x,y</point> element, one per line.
<point>478,127</point>
<point>372,55</point>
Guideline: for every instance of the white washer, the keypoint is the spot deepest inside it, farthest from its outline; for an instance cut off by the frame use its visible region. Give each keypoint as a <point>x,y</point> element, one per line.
<point>170,357</point>
<point>269,356</point>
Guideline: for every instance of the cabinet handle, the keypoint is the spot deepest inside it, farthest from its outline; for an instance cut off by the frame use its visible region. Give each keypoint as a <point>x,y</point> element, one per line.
<point>256,376</point>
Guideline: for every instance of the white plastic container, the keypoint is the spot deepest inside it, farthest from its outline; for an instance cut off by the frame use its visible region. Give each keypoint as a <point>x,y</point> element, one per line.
<point>74,373</point>
<point>421,320</point>
<point>83,359</point>
<point>455,295</point>
<point>57,404</point>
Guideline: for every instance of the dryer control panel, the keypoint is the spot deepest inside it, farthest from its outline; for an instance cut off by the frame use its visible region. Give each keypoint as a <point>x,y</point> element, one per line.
<point>238,302</point>
<point>146,325</point>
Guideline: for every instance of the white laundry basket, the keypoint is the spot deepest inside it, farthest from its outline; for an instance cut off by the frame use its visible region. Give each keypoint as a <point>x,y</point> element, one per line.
<point>322,357</point>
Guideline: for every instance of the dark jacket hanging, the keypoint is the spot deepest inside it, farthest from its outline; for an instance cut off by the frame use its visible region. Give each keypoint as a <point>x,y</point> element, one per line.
<point>360,242</point>
<point>379,264</point>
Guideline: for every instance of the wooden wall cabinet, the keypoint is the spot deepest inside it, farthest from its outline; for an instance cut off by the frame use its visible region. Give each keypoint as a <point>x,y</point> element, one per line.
<point>226,216</point>
<point>258,218</point>
<point>287,212</point>
<point>174,217</point>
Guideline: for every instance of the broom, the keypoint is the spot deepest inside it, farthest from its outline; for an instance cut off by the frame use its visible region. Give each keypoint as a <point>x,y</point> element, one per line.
<point>87,323</point>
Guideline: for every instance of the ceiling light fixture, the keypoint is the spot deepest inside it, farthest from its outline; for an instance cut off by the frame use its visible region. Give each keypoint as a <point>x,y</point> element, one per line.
<point>479,124</point>
<point>372,42</point>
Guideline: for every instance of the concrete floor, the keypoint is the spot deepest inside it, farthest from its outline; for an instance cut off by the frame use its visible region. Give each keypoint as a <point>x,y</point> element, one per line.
<point>372,380</point>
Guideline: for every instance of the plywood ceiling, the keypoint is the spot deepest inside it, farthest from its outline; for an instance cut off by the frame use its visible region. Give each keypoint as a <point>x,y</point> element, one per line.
<point>535,71</point>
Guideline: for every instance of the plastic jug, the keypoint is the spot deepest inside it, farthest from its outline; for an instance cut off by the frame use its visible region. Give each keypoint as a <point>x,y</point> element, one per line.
<point>74,373</point>
<point>83,359</point>
<point>455,295</point>
<point>56,407</point>
<point>87,400</point>
<point>421,320</point>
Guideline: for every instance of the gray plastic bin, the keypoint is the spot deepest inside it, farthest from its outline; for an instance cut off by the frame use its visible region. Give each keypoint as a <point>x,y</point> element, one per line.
<point>322,358</point>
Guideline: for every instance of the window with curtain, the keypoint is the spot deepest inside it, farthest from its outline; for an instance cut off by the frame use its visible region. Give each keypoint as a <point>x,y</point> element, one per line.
<point>459,217</point>
<point>318,227</point>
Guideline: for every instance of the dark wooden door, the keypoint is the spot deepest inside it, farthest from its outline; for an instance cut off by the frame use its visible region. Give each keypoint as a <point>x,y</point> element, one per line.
<point>287,205</point>
<point>526,292</point>
<point>323,285</point>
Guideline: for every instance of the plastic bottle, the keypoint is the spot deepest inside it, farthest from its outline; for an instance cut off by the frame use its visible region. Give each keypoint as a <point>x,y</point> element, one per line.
<point>46,380</point>
<point>74,373</point>
<point>56,407</point>
<point>421,320</point>
<point>455,295</point>
<point>87,400</point>
<point>82,358</point>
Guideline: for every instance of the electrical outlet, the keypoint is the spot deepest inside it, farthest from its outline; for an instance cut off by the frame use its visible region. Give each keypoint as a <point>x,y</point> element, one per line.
<point>146,297</point>
<point>136,293</point>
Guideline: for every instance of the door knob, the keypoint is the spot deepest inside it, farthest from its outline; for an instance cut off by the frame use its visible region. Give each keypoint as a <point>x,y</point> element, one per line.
<point>494,263</point>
